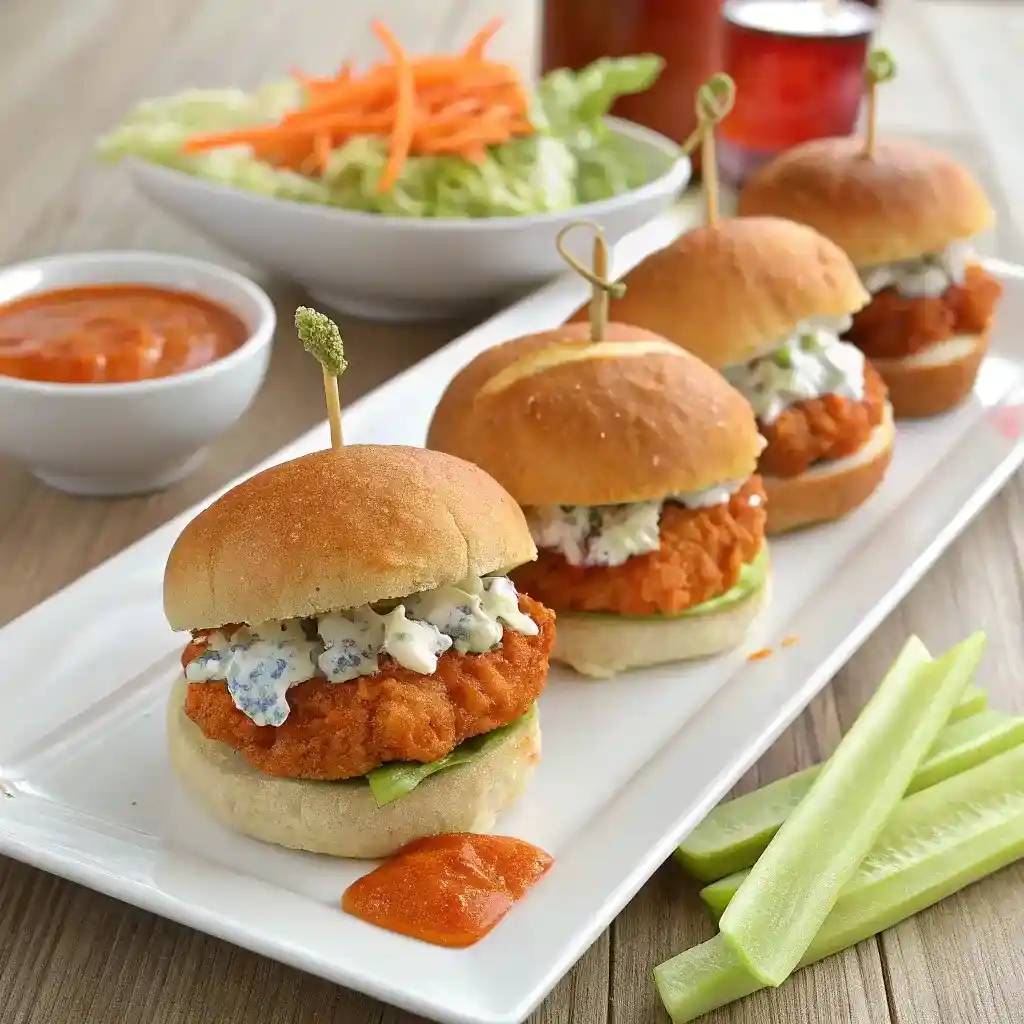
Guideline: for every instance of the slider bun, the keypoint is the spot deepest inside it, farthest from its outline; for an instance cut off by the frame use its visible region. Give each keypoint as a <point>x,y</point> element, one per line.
<point>338,529</point>
<point>935,380</point>
<point>342,818</point>
<point>600,646</point>
<point>830,490</point>
<point>907,200</point>
<point>732,291</point>
<point>559,420</point>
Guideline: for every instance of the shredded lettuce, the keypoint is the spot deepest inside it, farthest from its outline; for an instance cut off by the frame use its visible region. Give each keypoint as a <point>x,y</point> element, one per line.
<point>572,158</point>
<point>390,782</point>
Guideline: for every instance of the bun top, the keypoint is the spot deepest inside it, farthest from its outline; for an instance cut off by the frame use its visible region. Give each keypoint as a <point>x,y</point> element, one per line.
<point>338,529</point>
<point>734,290</point>
<point>906,200</point>
<point>558,419</point>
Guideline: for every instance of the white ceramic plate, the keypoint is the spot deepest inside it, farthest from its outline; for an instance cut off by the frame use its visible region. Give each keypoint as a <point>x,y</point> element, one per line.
<point>629,765</point>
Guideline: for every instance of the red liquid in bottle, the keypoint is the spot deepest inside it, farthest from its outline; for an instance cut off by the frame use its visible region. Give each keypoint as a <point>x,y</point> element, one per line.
<point>799,74</point>
<point>686,33</point>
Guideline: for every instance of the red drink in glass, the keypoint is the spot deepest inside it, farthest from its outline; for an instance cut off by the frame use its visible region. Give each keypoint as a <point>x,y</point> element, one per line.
<point>798,66</point>
<point>686,33</point>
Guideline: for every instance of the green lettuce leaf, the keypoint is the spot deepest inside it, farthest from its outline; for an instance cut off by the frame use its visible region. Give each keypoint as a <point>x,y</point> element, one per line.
<point>390,782</point>
<point>573,158</point>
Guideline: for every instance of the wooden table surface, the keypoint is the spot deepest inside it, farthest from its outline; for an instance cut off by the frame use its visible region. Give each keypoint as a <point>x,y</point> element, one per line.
<point>68,70</point>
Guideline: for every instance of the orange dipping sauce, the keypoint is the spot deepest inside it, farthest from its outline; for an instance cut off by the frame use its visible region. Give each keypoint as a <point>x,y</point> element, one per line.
<point>112,334</point>
<point>450,890</point>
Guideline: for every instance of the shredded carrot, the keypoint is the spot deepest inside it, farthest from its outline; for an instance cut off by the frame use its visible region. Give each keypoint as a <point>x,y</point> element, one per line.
<point>789,641</point>
<point>479,42</point>
<point>764,652</point>
<point>456,104</point>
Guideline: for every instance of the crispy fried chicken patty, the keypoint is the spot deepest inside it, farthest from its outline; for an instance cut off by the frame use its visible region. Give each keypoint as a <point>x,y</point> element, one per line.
<point>892,326</point>
<point>818,429</point>
<point>343,730</point>
<point>699,558</point>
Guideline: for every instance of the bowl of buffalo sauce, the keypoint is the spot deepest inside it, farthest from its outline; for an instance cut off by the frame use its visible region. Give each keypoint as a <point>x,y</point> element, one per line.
<point>118,369</point>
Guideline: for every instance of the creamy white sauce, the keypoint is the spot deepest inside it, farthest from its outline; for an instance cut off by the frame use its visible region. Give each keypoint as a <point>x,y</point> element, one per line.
<point>260,663</point>
<point>811,363</point>
<point>926,277</point>
<point>610,535</point>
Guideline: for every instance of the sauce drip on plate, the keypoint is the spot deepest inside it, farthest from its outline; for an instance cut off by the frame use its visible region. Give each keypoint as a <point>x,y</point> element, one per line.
<point>108,334</point>
<point>450,890</point>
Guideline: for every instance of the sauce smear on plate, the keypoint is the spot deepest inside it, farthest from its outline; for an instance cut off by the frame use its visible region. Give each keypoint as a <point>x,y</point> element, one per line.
<point>108,334</point>
<point>450,890</point>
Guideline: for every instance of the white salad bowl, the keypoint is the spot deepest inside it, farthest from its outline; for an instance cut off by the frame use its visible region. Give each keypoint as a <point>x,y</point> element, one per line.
<point>403,268</point>
<point>132,438</point>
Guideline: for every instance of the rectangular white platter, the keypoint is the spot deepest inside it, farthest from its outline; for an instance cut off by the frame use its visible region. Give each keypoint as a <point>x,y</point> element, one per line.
<point>629,766</point>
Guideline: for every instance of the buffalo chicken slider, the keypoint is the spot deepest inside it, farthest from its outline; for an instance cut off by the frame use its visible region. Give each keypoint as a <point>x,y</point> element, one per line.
<point>766,301</point>
<point>635,463</point>
<point>906,217</point>
<point>361,671</point>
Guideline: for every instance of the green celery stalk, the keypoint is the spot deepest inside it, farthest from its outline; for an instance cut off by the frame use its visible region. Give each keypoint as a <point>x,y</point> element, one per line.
<point>938,841</point>
<point>783,902</point>
<point>974,701</point>
<point>736,833</point>
<point>967,743</point>
<point>960,747</point>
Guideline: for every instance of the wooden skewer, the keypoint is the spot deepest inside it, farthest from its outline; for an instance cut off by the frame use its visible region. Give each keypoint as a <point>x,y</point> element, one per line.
<point>601,287</point>
<point>880,68</point>
<point>321,338</point>
<point>715,98</point>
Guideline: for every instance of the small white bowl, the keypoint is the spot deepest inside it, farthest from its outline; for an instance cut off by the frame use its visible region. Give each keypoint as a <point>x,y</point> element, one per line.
<point>404,268</point>
<point>131,438</point>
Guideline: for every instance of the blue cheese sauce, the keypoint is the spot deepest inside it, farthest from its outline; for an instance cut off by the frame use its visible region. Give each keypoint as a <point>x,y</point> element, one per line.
<point>261,663</point>
<point>609,535</point>
<point>926,277</point>
<point>811,363</point>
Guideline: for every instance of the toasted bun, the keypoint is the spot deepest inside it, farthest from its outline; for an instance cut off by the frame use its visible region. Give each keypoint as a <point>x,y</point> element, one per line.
<point>338,529</point>
<point>906,200</point>
<point>600,646</point>
<point>731,291</point>
<point>341,818</point>
<point>935,380</point>
<point>557,419</point>
<point>828,491</point>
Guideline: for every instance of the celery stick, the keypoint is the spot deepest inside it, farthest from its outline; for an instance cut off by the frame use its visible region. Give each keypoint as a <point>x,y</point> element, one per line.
<point>937,841</point>
<point>789,892</point>
<point>960,746</point>
<point>974,700</point>
<point>737,832</point>
<point>967,743</point>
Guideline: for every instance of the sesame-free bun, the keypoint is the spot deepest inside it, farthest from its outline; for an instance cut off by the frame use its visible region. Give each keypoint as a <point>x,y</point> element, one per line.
<point>906,200</point>
<point>341,818</point>
<point>557,419</point>
<point>339,529</point>
<point>730,291</point>
<point>829,490</point>
<point>934,380</point>
<point>600,646</point>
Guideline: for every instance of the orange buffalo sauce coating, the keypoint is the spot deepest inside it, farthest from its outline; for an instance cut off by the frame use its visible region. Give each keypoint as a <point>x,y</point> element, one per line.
<point>107,334</point>
<point>450,890</point>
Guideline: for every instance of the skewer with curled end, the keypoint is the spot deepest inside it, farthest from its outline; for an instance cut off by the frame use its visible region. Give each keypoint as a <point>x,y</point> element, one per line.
<point>714,99</point>
<point>602,286</point>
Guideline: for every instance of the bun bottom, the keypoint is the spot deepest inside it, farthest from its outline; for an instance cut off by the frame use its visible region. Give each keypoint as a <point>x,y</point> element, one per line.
<point>933,381</point>
<point>341,818</point>
<point>831,490</point>
<point>600,646</point>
